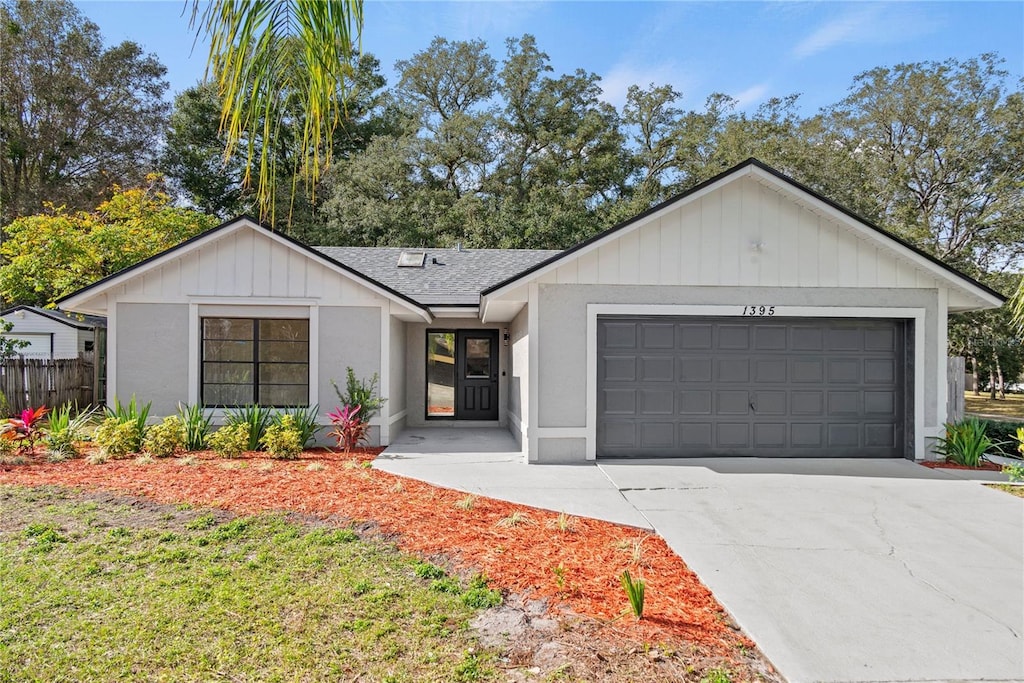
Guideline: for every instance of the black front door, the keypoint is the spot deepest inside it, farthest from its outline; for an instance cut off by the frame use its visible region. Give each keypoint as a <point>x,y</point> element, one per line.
<point>476,375</point>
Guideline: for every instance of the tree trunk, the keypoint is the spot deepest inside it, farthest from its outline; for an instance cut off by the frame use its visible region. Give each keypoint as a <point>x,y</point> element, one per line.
<point>992,383</point>
<point>1002,385</point>
<point>977,377</point>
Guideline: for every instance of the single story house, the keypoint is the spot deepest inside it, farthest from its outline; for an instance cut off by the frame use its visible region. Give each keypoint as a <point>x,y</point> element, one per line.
<point>747,316</point>
<point>51,334</point>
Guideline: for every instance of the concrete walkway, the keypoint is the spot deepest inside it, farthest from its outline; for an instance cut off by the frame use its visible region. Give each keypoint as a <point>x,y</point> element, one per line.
<point>840,570</point>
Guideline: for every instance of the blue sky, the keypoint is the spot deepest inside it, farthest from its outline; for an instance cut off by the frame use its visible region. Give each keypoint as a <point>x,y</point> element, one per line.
<point>749,50</point>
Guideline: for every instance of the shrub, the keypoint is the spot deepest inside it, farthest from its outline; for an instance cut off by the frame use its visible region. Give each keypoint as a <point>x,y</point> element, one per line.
<point>350,430</point>
<point>965,442</point>
<point>65,427</point>
<point>304,419</point>
<point>230,441</point>
<point>1014,472</point>
<point>1004,437</point>
<point>255,419</point>
<point>131,414</point>
<point>196,423</point>
<point>116,439</point>
<point>167,438</point>
<point>283,439</point>
<point>360,392</point>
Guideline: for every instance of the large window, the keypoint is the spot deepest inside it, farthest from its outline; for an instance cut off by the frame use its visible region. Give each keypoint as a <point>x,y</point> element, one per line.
<point>247,360</point>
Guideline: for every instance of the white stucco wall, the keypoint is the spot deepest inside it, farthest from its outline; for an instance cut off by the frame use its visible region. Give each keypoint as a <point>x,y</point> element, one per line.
<point>519,376</point>
<point>397,402</point>
<point>152,356</point>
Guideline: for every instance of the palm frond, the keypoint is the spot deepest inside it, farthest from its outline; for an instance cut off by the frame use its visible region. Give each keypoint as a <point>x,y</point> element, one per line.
<point>271,60</point>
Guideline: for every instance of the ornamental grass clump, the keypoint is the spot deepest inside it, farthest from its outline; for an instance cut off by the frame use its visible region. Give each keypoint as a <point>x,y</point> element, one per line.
<point>196,423</point>
<point>303,420</point>
<point>230,441</point>
<point>165,439</point>
<point>635,590</point>
<point>283,439</point>
<point>65,428</point>
<point>965,442</point>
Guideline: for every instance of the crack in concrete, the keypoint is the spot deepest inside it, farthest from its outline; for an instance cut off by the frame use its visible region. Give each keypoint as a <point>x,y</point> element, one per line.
<point>925,582</point>
<point>666,488</point>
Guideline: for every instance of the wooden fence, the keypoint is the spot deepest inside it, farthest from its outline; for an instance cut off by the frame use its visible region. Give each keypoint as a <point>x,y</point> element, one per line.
<point>955,379</point>
<point>32,382</point>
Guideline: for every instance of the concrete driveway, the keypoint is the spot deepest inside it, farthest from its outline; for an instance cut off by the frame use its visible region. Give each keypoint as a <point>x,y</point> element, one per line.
<point>849,570</point>
<point>840,570</point>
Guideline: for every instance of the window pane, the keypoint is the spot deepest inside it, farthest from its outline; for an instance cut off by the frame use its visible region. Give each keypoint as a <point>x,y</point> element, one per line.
<point>297,352</point>
<point>440,374</point>
<point>284,395</point>
<point>227,328</point>
<point>227,373</point>
<point>227,394</point>
<point>284,330</point>
<point>227,350</point>
<point>478,358</point>
<point>284,373</point>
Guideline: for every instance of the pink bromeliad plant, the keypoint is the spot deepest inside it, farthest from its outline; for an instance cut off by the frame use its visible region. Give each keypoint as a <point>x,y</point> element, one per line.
<point>350,429</point>
<point>25,429</point>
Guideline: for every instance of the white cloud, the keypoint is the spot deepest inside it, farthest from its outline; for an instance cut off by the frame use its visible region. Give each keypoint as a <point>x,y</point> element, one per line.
<point>615,84</point>
<point>868,23</point>
<point>751,96</point>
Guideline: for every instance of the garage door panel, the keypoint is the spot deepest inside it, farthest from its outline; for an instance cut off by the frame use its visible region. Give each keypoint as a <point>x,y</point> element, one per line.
<point>619,369</point>
<point>620,336</point>
<point>733,402</point>
<point>693,336</point>
<point>879,371</point>
<point>670,386</point>
<point>733,435</point>
<point>658,336</point>
<point>732,370</point>
<point>695,369</point>
<point>619,401</point>
<point>695,402</point>
<point>660,402</point>
<point>696,434</point>
<point>844,403</point>
<point>770,435</point>
<point>844,371</point>
<point>734,337</point>
<point>657,369</point>
<point>770,402</point>
<point>657,435</point>
<point>807,434</point>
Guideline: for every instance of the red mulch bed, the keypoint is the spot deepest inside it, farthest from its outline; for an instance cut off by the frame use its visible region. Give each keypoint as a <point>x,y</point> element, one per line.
<point>425,520</point>
<point>939,465</point>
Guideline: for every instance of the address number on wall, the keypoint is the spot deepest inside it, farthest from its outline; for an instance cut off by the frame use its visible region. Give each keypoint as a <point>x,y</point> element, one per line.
<point>759,311</point>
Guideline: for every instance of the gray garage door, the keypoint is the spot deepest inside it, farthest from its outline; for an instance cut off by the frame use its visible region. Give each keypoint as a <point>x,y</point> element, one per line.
<point>783,387</point>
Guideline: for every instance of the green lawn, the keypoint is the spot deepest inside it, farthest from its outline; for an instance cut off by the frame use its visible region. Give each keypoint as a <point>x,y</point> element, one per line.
<point>99,588</point>
<point>1010,408</point>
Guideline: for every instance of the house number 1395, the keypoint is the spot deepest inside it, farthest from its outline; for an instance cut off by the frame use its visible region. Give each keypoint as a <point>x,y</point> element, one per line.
<point>759,310</point>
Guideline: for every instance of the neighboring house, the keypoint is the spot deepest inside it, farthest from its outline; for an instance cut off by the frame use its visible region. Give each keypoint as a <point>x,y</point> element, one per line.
<point>746,316</point>
<point>52,334</point>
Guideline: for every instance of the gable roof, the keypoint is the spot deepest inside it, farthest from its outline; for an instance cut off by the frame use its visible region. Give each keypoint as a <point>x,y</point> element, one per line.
<point>929,263</point>
<point>448,277</point>
<point>101,286</point>
<point>87,322</point>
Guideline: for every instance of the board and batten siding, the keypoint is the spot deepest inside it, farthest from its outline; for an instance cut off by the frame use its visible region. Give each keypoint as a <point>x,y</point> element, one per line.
<point>743,234</point>
<point>245,263</point>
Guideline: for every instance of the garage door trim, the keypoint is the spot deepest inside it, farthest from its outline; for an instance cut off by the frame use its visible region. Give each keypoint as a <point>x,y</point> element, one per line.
<point>916,315</point>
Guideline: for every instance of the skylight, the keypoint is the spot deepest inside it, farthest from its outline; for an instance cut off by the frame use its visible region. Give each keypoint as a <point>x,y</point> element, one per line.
<point>412,259</point>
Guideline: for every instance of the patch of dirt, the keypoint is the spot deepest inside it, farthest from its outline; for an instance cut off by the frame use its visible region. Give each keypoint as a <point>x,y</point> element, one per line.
<point>572,619</point>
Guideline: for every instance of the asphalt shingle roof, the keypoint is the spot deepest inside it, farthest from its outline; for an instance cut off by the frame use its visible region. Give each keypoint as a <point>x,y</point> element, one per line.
<point>449,276</point>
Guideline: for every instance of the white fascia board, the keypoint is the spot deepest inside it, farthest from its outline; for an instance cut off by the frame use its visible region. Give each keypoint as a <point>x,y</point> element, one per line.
<point>871,234</point>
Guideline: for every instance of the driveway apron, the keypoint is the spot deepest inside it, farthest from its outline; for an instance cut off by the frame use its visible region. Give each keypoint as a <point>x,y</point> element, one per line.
<point>849,570</point>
